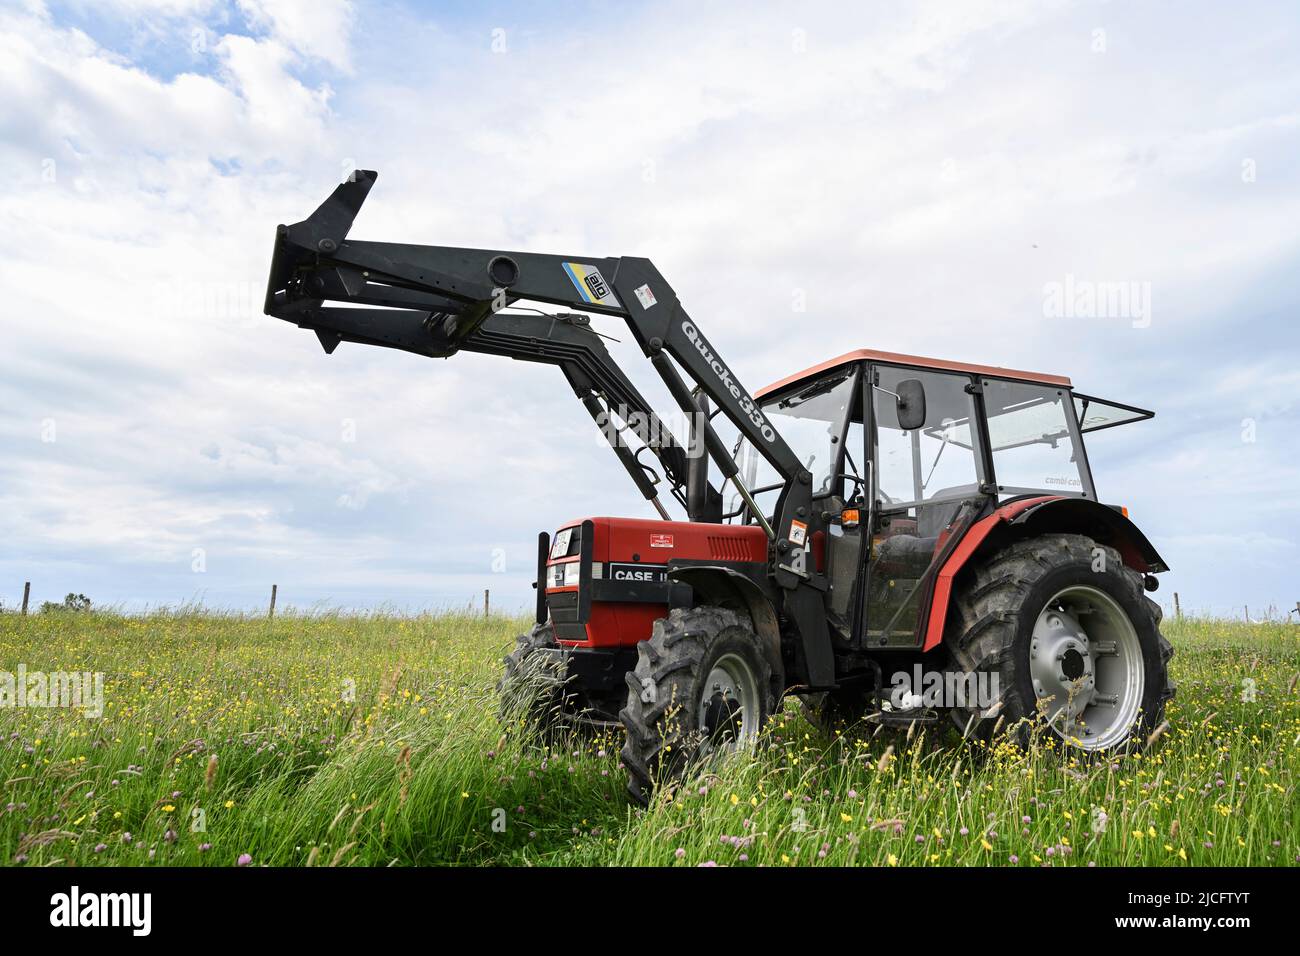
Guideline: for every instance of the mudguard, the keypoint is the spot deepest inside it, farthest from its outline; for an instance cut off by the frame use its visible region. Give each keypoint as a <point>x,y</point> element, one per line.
<point>723,585</point>
<point>1026,517</point>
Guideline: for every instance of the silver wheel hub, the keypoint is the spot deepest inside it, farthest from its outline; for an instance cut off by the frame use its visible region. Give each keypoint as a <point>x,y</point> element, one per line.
<point>1085,663</point>
<point>729,704</point>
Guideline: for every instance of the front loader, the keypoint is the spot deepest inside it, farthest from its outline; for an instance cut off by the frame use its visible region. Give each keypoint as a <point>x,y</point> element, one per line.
<point>890,538</point>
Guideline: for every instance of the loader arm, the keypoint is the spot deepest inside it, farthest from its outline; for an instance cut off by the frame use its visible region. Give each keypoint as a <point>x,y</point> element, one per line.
<point>437,300</point>
<point>612,401</point>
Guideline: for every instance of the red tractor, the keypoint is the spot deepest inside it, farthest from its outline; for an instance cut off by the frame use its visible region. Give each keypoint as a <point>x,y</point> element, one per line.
<point>890,538</point>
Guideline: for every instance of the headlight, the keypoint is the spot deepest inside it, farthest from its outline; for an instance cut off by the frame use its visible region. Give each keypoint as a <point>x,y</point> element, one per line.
<point>566,575</point>
<point>563,575</point>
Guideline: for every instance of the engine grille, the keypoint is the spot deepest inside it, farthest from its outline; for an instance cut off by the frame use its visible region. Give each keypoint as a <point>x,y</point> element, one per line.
<point>722,548</point>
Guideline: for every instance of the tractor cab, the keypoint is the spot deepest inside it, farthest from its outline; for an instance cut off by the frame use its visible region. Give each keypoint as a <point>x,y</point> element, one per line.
<point>906,453</point>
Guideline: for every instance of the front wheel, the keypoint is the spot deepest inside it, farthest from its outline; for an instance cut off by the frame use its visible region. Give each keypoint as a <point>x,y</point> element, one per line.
<point>1066,632</point>
<point>531,694</point>
<point>700,686</point>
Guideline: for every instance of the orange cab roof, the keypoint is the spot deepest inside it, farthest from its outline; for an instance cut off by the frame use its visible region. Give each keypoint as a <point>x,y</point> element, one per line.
<point>920,361</point>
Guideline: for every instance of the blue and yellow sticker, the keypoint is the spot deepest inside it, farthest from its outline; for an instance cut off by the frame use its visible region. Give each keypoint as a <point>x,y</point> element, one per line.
<point>591,285</point>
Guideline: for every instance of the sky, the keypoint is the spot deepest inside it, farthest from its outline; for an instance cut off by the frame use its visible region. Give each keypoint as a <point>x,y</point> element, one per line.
<point>811,178</point>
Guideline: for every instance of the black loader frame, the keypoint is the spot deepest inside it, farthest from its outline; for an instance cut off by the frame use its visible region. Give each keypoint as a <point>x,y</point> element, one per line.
<point>438,300</point>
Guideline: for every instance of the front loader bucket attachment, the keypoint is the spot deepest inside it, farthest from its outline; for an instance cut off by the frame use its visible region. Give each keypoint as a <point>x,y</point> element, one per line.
<point>314,262</point>
<point>296,246</point>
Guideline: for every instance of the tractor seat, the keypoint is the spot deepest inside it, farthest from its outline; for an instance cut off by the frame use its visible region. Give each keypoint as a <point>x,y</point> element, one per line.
<point>932,519</point>
<point>904,556</point>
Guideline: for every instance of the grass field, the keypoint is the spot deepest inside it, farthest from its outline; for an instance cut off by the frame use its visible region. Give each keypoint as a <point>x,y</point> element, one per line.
<point>340,740</point>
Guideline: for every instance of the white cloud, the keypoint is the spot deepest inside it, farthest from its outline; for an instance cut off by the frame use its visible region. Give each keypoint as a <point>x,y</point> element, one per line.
<point>141,8</point>
<point>315,28</point>
<point>917,174</point>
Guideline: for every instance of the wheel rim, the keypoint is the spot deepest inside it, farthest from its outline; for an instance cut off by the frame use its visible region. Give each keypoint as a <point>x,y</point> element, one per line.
<point>729,709</point>
<point>1085,661</point>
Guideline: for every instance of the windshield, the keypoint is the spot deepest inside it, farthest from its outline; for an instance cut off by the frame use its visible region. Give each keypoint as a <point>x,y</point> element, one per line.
<point>1031,432</point>
<point>811,420</point>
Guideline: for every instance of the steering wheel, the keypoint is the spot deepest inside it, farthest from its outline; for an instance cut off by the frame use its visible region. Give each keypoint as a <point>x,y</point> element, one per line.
<point>826,485</point>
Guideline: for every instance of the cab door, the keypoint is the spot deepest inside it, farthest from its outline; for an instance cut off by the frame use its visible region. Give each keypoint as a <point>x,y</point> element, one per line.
<point>928,483</point>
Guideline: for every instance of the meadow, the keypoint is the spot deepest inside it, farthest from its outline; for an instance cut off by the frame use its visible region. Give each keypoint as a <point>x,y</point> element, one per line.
<point>336,740</point>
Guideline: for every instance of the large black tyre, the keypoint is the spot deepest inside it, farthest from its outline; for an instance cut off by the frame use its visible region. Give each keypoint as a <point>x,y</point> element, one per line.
<point>700,685</point>
<point>1052,608</point>
<point>531,692</point>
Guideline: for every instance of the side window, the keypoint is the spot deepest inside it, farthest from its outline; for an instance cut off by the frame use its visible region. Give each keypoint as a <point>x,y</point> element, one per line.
<point>1033,446</point>
<point>935,461</point>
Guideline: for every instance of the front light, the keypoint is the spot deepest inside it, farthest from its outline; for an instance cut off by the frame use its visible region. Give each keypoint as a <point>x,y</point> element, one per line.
<point>564,575</point>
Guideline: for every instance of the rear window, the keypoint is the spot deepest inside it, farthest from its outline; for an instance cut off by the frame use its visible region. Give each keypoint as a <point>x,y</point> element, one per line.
<point>1029,433</point>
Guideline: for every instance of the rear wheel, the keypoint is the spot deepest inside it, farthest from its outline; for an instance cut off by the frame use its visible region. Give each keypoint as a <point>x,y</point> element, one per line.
<point>700,687</point>
<point>1066,633</point>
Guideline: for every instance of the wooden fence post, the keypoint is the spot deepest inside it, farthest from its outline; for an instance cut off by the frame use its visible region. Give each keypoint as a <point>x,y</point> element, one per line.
<point>1178,608</point>
<point>271,612</point>
<point>27,593</point>
<point>486,602</point>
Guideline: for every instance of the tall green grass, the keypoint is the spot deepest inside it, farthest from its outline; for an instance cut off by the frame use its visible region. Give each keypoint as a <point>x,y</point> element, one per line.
<point>373,740</point>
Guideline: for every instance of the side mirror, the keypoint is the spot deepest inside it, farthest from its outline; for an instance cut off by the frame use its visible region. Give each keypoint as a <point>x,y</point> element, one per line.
<point>911,404</point>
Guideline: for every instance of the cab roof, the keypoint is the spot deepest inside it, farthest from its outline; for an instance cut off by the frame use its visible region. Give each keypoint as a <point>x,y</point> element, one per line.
<point>919,361</point>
